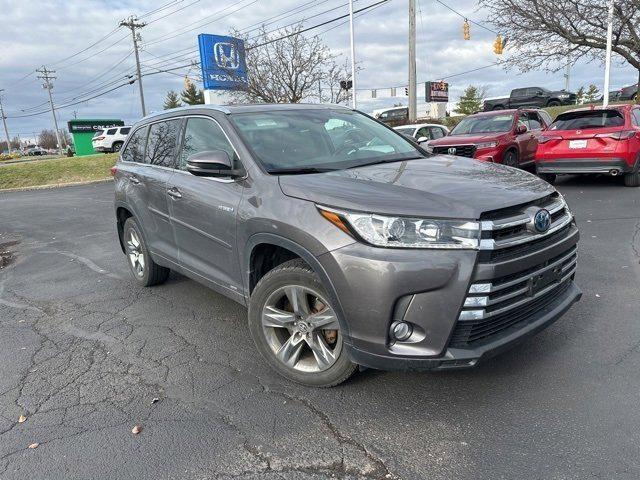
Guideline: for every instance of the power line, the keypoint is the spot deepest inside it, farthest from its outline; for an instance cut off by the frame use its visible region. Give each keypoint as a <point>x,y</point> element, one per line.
<point>466,18</point>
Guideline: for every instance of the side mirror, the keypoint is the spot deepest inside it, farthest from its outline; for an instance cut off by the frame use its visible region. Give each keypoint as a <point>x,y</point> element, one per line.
<point>520,129</point>
<point>423,139</point>
<point>211,163</point>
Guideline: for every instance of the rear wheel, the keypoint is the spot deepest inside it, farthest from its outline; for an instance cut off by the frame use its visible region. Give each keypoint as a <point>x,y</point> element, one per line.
<point>146,272</point>
<point>553,103</point>
<point>295,327</point>
<point>548,177</point>
<point>632,179</point>
<point>510,159</point>
<point>116,146</point>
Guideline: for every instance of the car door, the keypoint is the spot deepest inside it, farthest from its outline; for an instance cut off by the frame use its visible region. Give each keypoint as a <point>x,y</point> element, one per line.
<point>203,209</point>
<point>518,98</point>
<point>148,161</point>
<point>527,142</point>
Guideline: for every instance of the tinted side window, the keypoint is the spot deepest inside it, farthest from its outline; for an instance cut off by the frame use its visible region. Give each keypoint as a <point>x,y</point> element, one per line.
<point>163,143</point>
<point>112,131</point>
<point>534,121</point>
<point>424,132</point>
<point>635,117</point>
<point>546,117</point>
<point>520,92</point>
<point>436,132</point>
<point>134,152</point>
<point>202,134</point>
<point>125,131</point>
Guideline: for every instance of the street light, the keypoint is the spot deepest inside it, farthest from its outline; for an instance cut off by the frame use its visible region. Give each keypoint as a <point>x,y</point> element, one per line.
<point>607,62</point>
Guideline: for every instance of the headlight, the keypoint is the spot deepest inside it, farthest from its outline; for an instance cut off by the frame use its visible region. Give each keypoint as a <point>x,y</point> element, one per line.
<point>487,145</point>
<point>563,95</point>
<point>405,232</point>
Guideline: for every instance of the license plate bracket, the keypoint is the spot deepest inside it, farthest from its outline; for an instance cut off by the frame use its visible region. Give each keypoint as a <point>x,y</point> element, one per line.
<point>543,280</point>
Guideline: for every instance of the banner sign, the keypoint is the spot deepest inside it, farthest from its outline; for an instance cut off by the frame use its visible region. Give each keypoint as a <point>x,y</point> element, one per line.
<point>84,126</point>
<point>437,91</point>
<point>223,62</point>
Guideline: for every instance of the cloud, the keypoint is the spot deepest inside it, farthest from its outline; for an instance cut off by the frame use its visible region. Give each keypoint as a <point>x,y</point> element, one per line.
<point>44,33</point>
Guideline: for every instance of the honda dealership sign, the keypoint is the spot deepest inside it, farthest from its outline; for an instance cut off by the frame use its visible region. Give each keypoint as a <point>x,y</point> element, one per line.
<point>223,63</point>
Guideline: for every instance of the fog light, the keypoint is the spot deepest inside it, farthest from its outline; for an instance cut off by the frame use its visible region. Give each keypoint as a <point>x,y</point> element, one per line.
<point>401,330</point>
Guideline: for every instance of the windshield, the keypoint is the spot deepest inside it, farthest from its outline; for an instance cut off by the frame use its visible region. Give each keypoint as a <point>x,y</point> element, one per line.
<point>405,131</point>
<point>484,124</point>
<point>588,119</point>
<point>296,140</point>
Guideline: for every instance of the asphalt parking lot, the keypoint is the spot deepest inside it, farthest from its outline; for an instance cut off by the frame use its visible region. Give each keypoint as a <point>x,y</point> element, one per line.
<point>84,352</point>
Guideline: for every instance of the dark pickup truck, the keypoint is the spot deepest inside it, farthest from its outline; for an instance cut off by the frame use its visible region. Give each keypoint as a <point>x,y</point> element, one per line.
<point>531,97</point>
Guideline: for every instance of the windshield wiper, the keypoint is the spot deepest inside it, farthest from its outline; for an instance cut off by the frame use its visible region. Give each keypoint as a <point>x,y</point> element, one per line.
<point>300,170</point>
<point>392,160</point>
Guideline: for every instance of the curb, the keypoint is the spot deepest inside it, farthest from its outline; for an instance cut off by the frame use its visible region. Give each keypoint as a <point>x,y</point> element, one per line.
<point>54,185</point>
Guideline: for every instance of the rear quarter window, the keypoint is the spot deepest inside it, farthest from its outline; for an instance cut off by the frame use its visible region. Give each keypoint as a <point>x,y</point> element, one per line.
<point>134,151</point>
<point>112,131</point>
<point>588,119</point>
<point>125,131</point>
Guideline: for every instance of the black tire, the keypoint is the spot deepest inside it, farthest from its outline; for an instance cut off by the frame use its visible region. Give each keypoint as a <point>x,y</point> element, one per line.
<point>553,103</point>
<point>293,273</point>
<point>510,159</point>
<point>150,272</point>
<point>498,107</point>
<point>116,146</point>
<point>548,177</point>
<point>632,179</point>
<point>634,97</point>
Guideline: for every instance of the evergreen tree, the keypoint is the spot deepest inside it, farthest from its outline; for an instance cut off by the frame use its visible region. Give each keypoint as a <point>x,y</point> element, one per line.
<point>191,95</point>
<point>580,96</point>
<point>592,94</point>
<point>470,101</point>
<point>171,100</point>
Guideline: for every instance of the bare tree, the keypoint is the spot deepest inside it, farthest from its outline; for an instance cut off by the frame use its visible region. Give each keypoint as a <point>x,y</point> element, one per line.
<point>288,70</point>
<point>47,139</point>
<point>546,33</point>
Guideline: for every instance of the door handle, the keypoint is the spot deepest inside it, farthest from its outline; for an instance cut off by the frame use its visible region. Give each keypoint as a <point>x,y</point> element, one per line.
<point>174,193</point>
<point>134,180</point>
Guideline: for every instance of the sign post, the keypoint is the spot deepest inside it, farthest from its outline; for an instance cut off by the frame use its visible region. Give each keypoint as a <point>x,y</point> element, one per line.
<point>224,68</point>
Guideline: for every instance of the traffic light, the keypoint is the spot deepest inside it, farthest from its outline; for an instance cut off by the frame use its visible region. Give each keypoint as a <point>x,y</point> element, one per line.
<point>498,45</point>
<point>466,30</point>
<point>406,91</point>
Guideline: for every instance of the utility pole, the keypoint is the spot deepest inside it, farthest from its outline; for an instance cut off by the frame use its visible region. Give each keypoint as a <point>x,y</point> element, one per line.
<point>4,122</point>
<point>353,56</point>
<point>47,85</point>
<point>75,114</point>
<point>413,94</point>
<point>567,74</point>
<point>132,23</point>
<point>607,63</point>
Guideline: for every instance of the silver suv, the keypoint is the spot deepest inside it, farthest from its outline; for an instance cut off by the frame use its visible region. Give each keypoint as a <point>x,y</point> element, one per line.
<point>349,244</point>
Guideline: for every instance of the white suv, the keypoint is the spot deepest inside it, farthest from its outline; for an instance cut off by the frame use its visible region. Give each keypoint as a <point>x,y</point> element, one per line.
<point>110,139</point>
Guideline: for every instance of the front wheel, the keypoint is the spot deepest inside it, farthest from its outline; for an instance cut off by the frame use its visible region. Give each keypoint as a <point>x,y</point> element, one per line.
<point>296,329</point>
<point>145,271</point>
<point>553,103</point>
<point>510,159</point>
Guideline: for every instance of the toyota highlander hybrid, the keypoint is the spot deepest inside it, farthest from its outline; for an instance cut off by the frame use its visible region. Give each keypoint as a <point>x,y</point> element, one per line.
<point>349,244</point>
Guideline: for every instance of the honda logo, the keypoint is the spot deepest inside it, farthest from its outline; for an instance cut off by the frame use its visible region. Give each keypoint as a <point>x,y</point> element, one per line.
<point>452,151</point>
<point>226,55</point>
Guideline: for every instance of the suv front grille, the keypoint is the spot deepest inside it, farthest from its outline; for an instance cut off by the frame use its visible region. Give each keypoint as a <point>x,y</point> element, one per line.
<point>493,307</point>
<point>461,150</point>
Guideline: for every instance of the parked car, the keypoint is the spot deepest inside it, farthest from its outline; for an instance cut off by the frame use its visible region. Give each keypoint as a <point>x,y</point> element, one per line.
<point>531,97</point>
<point>346,252</point>
<point>592,140</point>
<point>628,93</point>
<point>35,150</point>
<point>509,137</point>
<point>394,114</point>
<point>110,139</point>
<point>423,132</point>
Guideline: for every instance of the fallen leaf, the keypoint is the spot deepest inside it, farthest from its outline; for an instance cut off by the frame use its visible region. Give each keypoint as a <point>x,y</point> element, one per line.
<point>22,419</point>
<point>155,400</point>
<point>34,445</point>
<point>136,430</point>
<point>597,295</point>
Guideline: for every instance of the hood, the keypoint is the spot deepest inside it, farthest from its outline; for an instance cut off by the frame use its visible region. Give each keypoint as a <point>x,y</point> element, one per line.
<point>466,139</point>
<point>440,186</point>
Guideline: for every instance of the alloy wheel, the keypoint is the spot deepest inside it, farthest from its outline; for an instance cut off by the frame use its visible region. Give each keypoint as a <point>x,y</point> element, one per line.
<point>135,253</point>
<point>301,329</point>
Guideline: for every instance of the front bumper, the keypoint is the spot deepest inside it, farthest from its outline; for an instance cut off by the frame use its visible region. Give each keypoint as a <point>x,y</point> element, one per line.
<point>583,165</point>
<point>429,288</point>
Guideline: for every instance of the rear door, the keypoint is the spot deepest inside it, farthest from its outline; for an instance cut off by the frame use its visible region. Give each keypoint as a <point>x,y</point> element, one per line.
<point>204,209</point>
<point>518,98</point>
<point>148,162</point>
<point>527,142</point>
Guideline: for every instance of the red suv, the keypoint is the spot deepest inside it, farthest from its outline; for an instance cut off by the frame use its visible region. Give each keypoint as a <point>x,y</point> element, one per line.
<point>592,140</point>
<point>505,136</point>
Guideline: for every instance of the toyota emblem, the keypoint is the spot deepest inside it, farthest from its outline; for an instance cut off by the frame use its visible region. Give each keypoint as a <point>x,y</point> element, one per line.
<point>542,220</point>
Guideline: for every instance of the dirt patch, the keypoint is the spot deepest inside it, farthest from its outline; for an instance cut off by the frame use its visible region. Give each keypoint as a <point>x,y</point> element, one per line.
<point>7,254</point>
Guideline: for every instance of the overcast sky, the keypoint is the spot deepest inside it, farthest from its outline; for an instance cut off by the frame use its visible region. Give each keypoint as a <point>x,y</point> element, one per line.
<point>37,33</point>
